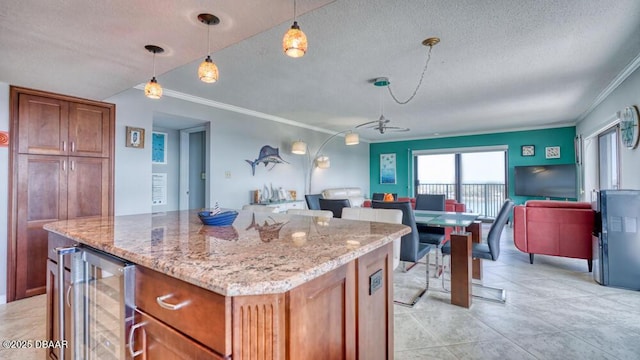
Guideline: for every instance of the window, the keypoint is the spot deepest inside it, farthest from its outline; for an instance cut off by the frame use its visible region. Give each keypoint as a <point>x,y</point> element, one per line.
<point>608,163</point>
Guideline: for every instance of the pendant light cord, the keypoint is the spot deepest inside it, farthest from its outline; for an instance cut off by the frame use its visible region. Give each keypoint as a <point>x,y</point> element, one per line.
<point>154,64</point>
<point>426,65</point>
<point>294,10</point>
<point>208,42</point>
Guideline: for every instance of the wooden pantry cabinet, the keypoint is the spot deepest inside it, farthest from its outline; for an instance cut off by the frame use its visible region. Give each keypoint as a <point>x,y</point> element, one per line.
<point>61,168</point>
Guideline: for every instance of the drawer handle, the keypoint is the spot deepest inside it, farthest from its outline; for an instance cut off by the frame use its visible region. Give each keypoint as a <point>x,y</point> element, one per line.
<point>161,301</point>
<point>144,340</point>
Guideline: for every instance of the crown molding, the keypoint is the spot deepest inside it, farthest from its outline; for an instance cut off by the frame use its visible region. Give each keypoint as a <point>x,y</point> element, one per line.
<point>619,79</point>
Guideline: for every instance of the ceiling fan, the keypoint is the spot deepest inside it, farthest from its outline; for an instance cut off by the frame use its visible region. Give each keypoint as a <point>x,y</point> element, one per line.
<point>382,123</point>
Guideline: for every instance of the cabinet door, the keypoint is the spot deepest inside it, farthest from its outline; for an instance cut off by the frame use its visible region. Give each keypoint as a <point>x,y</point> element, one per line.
<point>42,198</point>
<point>53,328</point>
<point>155,340</point>
<point>42,125</point>
<point>88,187</point>
<point>89,133</point>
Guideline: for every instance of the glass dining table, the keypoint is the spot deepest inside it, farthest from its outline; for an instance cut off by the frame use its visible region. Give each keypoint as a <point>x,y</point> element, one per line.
<point>465,231</point>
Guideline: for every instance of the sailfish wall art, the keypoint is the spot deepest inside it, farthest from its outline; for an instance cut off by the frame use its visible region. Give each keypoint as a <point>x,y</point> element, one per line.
<point>267,155</point>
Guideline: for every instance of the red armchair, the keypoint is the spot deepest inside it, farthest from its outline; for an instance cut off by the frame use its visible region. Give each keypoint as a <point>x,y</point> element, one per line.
<point>558,228</point>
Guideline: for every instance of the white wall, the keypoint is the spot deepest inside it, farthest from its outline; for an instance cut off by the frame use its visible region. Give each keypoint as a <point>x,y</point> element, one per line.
<point>234,138</point>
<point>628,93</point>
<point>4,190</point>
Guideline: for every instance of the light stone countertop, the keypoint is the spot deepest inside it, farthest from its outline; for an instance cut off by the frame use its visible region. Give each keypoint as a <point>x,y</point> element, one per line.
<point>261,253</point>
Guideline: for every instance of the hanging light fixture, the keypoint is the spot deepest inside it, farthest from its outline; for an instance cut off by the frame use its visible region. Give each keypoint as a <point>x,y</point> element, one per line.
<point>153,90</point>
<point>352,138</point>
<point>294,42</point>
<point>299,147</point>
<point>429,42</point>
<point>208,71</point>
<point>323,162</point>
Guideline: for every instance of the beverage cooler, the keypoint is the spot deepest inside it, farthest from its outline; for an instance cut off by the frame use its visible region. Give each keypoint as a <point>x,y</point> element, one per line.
<point>103,304</point>
<point>616,239</point>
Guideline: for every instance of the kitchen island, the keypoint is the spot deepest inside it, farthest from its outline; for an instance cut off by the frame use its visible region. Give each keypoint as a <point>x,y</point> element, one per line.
<point>271,286</point>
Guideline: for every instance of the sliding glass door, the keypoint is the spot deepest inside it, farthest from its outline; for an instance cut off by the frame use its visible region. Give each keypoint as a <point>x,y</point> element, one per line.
<point>475,177</point>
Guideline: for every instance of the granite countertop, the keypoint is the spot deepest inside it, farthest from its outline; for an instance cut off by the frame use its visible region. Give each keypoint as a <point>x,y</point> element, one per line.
<point>262,253</point>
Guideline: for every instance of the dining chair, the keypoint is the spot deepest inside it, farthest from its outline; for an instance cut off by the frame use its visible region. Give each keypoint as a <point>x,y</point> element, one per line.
<point>312,201</point>
<point>431,234</point>
<point>334,205</point>
<point>392,216</point>
<point>411,249</point>
<point>490,250</point>
<point>380,196</point>
<point>260,208</point>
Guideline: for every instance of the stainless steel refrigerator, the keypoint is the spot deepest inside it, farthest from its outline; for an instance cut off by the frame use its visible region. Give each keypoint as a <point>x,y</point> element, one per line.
<point>616,240</point>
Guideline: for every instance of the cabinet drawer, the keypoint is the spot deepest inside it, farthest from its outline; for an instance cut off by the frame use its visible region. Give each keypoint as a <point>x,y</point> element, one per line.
<point>155,340</point>
<point>201,314</point>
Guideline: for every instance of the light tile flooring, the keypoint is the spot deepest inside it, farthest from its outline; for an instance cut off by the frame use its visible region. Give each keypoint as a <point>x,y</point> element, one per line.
<point>554,310</point>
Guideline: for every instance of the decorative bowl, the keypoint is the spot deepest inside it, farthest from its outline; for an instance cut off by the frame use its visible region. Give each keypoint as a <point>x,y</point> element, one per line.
<point>224,218</point>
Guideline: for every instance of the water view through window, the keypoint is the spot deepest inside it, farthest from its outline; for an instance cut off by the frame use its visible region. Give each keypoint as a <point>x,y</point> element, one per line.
<point>476,179</point>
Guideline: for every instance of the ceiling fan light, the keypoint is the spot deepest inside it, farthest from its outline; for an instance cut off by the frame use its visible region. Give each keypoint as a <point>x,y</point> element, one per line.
<point>208,71</point>
<point>299,147</point>
<point>352,139</point>
<point>153,90</point>
<point>294,42</point>
<point>323,162</point>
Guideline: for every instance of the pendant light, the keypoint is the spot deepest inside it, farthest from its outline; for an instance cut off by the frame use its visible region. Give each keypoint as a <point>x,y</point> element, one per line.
<point>153,90</point>
<point>208,71</point>
<point>294,42</point>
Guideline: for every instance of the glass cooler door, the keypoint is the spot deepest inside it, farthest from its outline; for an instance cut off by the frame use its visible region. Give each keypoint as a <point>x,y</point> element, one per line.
<point>103,305</point>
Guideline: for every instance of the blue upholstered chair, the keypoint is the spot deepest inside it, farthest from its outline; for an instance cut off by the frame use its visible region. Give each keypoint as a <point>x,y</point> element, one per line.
<point>334,205</point>
<point>490,250</point>
<point>411,249</point>
<point>312,201</point>
<point>431,234</point>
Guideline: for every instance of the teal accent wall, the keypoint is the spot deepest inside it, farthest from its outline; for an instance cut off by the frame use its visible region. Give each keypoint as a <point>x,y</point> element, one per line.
<point>562,137</point>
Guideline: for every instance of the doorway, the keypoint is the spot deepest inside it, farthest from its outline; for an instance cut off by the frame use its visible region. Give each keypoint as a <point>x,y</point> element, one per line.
<point>194,172</point>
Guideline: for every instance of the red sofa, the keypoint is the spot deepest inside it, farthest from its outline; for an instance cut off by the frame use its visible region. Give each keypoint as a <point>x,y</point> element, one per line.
<point>558,228</point>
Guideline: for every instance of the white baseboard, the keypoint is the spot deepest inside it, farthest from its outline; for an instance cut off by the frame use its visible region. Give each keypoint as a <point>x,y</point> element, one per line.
<point>3,299</point>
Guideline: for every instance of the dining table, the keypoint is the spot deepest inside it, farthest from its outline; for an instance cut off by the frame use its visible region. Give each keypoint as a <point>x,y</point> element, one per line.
<point>466,229</point>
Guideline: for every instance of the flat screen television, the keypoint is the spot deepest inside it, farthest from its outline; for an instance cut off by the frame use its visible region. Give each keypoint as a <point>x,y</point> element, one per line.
<point>558,181</point>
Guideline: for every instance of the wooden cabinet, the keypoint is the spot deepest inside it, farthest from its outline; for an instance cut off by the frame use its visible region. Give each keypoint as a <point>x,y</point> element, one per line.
<point>52,126</point>
<point>62,168</point>
<point>155,340</point>
<point>52,311</point>
<point>52,297</point>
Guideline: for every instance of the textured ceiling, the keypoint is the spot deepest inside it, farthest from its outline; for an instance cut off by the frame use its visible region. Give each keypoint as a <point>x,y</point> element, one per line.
<point>501,65</point>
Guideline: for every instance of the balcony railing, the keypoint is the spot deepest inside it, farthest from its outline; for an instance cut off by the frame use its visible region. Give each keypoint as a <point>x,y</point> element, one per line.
<point>485,199</point>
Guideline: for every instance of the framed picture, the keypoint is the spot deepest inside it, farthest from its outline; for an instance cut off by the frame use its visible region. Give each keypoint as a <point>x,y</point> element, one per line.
<point>159,148</point>
<point>135,137</point>
<point>552,152</point>
<point>387,168</point>
<point>528,150</point>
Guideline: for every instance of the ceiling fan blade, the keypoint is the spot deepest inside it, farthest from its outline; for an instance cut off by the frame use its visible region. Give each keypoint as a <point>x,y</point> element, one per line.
<point>367,123</point>
<point>396,128</point>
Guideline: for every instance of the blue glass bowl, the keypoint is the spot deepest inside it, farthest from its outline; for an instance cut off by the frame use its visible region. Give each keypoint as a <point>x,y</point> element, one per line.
<point>224,218</point>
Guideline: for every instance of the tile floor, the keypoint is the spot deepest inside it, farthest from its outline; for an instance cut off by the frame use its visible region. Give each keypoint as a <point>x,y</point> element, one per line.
<point>554,310</point>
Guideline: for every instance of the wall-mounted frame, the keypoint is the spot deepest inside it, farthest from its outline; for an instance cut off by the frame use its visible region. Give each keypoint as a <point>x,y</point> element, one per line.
<point>528,150</point>
<point>388,168</point>
<point>552,152</point>
<point>135,137</point>
<point>159,148</point>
